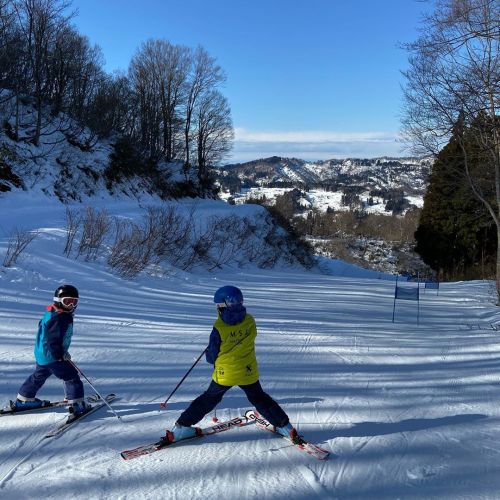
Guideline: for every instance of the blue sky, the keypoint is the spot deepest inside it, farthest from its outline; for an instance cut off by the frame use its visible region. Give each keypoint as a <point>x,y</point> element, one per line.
<point>312,79</point>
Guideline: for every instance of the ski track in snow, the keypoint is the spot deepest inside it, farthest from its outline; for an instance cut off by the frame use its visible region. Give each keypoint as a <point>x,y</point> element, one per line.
<point>407,411</point>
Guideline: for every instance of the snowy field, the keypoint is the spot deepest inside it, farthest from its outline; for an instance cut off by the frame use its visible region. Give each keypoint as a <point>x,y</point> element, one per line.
<point>407,411</point>
<point>319,199</point>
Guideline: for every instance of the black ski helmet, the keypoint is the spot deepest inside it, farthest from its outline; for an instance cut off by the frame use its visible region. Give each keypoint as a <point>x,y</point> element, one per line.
<point>66,291</point>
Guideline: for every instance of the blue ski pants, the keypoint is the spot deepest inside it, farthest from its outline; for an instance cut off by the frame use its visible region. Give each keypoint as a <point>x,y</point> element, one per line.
<point>62,370</point>
<point>207,401</point>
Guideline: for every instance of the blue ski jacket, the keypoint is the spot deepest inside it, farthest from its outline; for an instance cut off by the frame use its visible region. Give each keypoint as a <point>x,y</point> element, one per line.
<point>53,339</point>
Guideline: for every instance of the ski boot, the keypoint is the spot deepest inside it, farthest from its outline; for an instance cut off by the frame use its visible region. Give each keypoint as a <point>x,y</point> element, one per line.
<point>289,432</point>
<point>180,432</point>
<point>77,409</point>
<point>27,404</point>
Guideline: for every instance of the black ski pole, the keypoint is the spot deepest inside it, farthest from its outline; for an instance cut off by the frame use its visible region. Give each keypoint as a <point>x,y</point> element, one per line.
<point>164,404</point>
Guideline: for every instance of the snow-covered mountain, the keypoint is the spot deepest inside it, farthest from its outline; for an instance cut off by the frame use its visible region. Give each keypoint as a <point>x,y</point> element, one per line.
<point>408,174</point>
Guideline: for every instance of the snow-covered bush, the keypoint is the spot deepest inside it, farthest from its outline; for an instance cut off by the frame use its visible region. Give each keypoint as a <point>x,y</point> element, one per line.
<point>171,237</point>
<point>18,242</point>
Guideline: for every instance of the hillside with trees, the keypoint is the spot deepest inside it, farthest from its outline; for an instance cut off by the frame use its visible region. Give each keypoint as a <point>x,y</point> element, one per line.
<point>167,107</point>
<point>453,92</point>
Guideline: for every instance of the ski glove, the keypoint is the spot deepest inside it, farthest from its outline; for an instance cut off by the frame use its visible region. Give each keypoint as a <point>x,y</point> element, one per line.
<point>66,356</point>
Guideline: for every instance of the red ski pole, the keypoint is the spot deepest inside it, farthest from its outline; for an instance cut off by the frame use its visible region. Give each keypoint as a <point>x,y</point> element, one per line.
<point>164,404</point>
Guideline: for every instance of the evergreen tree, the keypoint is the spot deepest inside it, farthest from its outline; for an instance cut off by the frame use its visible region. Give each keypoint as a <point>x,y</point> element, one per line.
<point>456,235</point>
<point>454,76</point>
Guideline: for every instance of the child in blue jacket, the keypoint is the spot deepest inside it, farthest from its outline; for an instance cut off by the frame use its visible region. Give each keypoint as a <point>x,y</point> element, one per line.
<point>52,342</point>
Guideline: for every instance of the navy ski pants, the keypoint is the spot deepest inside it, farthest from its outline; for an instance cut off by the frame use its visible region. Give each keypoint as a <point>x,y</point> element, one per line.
<point>207,401</point>
<point>62,370</point>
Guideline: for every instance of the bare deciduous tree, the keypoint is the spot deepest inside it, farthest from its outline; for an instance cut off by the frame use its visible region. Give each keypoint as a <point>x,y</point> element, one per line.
<point>214,132</point>
<point>205,76</point>
<point>73,222</point>
<point>158,74</point>
<point>39,23</point>
<point>454,81</point>
<point>18,243</point>
<point>131,251</point>
<point>109,109</point>
<point>95,228</point>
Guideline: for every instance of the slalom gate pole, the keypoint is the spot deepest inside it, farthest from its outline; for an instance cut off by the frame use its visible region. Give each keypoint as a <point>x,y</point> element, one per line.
<point>164,404</point>
<point>95,390</point>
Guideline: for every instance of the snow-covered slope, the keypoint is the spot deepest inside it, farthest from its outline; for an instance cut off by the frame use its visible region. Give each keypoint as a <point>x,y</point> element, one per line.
<point>407,411</point>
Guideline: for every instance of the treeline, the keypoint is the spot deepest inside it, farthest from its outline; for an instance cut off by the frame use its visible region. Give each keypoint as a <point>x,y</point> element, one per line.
<point>385,241</point>
<point>167,104</point>
<point>352,223</point>
<point>391,228</point>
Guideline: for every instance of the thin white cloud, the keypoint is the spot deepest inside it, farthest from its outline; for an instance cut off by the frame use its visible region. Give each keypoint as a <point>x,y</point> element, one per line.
<point>311,136</point>
<point>313,145</point>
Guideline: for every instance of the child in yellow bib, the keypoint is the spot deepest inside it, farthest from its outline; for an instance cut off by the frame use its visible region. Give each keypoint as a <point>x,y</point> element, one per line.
<point>231,350</point>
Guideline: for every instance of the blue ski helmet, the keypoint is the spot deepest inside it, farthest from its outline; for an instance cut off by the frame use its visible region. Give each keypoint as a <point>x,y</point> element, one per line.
<point>228,295</point>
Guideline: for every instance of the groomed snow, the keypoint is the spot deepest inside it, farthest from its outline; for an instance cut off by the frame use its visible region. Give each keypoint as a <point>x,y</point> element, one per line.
<point>407,411</point>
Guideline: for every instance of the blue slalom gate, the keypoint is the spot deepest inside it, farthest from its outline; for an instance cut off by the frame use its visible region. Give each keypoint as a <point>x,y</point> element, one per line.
<point>407,293</point>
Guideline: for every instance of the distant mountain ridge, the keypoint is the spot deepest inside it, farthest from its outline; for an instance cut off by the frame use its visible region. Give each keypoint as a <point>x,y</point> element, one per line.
<point>407,173</point>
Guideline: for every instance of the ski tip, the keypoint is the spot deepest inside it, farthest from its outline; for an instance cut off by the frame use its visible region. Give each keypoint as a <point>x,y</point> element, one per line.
<point>7,409</point>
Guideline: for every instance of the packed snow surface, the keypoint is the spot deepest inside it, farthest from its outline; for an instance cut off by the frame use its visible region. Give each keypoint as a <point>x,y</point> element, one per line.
<point>408,411</point>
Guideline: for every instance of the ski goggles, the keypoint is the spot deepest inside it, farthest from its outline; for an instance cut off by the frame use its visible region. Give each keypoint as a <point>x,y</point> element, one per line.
<point>222,305</point>
<point>67,301</point>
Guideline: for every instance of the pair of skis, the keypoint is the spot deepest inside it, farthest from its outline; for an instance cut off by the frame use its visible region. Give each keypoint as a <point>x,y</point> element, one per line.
<point>250,417</point>
<point>95,401</point>
<point>240,421</point>
<point>73,419</point>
